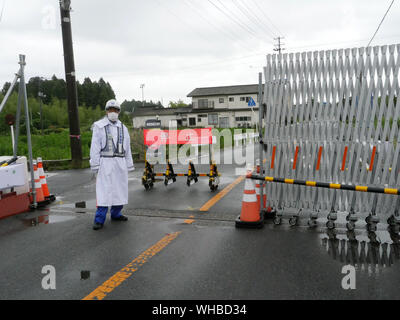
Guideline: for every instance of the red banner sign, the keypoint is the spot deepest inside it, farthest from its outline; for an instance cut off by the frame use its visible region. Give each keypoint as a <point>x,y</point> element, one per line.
<point>157,137</point>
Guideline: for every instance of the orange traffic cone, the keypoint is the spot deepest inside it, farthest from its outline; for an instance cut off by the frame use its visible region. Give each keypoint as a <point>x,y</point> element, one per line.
<point>258,194</point>
<point>268,212</point>
<point>38,185</point>
<point>250,214</point>
<point>42,178</point>
<point>43,181</point>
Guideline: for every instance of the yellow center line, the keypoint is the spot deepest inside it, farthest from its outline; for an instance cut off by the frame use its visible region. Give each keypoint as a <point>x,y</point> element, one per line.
<point>189,221</point>
<point>113,282</point>
<point>221,194</point>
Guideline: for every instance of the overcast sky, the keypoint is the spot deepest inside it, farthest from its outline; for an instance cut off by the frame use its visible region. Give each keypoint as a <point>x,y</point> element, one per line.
<point>176,46</point>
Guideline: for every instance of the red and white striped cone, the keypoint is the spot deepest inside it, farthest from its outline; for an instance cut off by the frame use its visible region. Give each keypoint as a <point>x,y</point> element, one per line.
<point>38,185</point>
<point>250,214</point>
<point>42,177</point>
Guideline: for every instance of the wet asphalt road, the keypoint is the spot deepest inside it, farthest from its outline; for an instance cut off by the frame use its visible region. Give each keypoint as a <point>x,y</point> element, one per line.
<point>170,250</point>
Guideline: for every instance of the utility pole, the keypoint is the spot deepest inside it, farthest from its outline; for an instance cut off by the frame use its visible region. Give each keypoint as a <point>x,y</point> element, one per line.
<point>41,95</point>
<point>279,45</point>
<point>142,87</point>
<point>73,115</point>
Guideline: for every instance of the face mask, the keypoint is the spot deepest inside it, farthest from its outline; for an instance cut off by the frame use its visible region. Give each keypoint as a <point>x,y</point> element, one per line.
<point>112,116</point>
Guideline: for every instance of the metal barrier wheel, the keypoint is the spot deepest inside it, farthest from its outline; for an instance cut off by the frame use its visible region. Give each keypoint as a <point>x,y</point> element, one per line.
<point>372,236</point>
<point>330,225</point>
<point>394,229</point>
<point>213,187</point>
<point>351,236</point>
<point>277,221</point>
<point>293,221</point>
<point>312,223</point>
<point>350,226</point>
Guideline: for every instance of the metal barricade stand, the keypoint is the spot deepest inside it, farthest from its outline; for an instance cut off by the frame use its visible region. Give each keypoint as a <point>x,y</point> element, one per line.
<point>332,116</point>
<point>22,98</point>
<point>170,177</point>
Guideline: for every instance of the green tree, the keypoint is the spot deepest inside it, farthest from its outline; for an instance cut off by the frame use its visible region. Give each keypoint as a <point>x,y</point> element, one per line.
<point>178,104</point>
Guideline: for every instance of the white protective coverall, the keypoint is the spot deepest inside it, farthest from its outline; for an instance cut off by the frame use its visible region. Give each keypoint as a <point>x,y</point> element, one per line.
<point>112,177</point>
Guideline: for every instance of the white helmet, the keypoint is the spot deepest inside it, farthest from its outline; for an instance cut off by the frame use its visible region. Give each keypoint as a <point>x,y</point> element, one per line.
<point>113,104</point>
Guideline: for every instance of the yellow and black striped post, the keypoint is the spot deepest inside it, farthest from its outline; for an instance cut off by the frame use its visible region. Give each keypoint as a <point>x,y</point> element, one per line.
<point>326,185</point>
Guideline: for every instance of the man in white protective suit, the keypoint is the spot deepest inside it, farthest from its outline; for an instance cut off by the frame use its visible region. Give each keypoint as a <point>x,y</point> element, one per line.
<point>111,159</point>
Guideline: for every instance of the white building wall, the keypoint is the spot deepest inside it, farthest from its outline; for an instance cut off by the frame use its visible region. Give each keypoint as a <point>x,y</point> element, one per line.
<point>236,103</point>
<point>242,104</point>
<point>140,121</point>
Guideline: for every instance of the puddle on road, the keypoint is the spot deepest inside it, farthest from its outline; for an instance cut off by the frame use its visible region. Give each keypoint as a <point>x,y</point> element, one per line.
<point>368,252</point>
<point>45,219</point>
<point>57,219</point>
<point>80,205</point>
<point>66,205</point>
<point>31,222</point>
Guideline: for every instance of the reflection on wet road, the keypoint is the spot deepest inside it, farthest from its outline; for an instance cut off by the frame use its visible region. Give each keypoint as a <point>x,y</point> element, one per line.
<point>365,252</point>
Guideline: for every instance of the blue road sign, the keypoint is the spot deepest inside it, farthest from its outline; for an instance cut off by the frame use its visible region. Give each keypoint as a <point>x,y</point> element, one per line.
<point>251,103</point>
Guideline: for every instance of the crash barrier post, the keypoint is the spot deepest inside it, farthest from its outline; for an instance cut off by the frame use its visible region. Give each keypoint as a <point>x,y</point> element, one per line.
<point>333,116</point>
<point>154,138</point>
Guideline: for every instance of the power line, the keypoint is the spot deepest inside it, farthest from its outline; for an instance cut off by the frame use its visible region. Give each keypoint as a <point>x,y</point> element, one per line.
<point>387,11</point>
<point>237,17</point>
<point>198,12</point>
<point>266,16</point>
<point>340,42</point>
<point>234,14</point>
<point>251,14</point>
<point>224,61</point>
<point>230,18</point>
<point>179,18</point>
<point>159,3</point>
<point>192,68</point>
